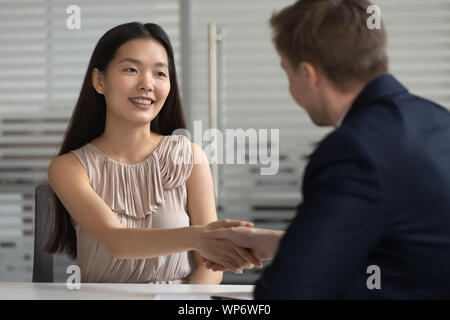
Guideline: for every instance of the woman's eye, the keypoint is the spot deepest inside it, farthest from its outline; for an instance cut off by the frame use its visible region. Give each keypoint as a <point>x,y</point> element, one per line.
<point>161,74</point>
<point>130,70</point>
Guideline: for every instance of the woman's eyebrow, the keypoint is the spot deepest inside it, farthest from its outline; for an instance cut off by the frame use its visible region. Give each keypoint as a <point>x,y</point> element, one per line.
<point>132,60</point>
<point>161,64</point>
<point>135,61</point>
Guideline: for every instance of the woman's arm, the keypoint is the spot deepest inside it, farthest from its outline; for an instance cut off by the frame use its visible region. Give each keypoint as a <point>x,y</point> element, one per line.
<point>71,184</point>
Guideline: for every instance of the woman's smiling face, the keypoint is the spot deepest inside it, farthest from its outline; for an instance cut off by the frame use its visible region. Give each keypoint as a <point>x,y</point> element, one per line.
<point>136,82</point>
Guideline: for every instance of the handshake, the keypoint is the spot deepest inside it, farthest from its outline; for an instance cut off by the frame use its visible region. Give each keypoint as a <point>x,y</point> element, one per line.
<point>236,245</point>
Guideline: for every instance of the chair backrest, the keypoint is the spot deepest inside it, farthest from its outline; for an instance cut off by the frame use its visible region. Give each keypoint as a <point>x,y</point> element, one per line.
<point>46,267</point>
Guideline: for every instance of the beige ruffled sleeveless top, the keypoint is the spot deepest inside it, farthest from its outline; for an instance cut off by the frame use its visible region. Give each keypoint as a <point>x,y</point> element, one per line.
<point>149,194</point>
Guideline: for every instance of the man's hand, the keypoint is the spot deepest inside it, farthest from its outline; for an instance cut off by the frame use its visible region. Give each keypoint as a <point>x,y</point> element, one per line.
<point>262,243</point>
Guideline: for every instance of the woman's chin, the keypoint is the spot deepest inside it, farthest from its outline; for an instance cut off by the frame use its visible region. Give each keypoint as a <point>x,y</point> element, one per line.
<point>142,119</point>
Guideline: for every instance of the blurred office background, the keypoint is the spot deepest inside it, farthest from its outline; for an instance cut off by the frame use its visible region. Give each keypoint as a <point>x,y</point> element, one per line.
<point>42,64</point>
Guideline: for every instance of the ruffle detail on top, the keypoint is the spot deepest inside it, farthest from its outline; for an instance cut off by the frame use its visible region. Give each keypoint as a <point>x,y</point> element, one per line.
<point>137,190</point>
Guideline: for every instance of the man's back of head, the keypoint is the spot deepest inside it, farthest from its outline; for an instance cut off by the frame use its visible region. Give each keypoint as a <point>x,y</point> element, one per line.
<point>333,36</point>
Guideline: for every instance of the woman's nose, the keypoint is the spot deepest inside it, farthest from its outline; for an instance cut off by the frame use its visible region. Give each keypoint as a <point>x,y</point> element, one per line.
<point>147,82</point>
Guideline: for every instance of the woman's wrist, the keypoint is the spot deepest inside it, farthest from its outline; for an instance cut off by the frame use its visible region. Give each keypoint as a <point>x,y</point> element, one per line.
<point>195,237</point>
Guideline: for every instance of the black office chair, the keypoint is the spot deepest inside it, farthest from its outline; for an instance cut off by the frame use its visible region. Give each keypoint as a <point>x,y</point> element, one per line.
<point>46,267</point>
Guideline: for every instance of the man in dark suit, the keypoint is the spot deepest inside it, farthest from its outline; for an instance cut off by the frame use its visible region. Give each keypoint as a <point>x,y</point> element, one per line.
<point>375,217</point>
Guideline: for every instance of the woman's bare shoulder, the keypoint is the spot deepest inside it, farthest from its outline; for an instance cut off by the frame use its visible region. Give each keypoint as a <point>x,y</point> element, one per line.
<point>66,164</point>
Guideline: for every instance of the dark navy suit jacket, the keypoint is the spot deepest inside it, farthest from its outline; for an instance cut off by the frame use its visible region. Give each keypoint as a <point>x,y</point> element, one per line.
<point>376,192</point>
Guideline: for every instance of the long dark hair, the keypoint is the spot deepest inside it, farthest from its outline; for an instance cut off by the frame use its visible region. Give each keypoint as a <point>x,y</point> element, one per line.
<point>88,119</point>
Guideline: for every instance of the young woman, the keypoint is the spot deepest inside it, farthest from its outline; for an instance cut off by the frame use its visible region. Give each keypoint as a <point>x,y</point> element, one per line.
<point>130,201</point>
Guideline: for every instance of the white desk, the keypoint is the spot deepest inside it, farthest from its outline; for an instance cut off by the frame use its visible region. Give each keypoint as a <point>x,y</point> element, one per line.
<point>113,291</point>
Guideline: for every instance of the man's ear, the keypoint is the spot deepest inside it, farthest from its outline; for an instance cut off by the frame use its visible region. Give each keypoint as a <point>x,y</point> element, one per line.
<point>311,73</point>
<point>97,81</point>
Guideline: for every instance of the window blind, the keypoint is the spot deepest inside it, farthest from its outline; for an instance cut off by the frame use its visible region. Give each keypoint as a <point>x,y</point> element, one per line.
<point>419,45</point>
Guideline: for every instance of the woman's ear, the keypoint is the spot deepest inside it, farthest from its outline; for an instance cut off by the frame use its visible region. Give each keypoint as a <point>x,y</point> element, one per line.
<point>97,80</point>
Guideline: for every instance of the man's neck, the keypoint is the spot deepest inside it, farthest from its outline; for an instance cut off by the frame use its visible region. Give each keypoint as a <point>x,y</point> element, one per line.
<point>341,103</point>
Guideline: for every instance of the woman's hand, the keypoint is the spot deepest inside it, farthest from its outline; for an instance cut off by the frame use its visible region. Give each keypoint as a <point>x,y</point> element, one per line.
<point>223,252</point>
